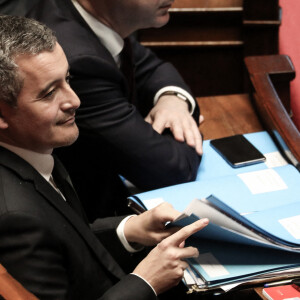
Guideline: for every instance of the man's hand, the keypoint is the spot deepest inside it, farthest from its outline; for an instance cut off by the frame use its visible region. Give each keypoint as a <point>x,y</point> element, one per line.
<point>172,112</point>
<point>164,266</point>
<point>149,228</point>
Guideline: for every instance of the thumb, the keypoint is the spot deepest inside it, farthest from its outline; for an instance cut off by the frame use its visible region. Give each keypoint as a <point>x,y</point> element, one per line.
<point>148,119</point>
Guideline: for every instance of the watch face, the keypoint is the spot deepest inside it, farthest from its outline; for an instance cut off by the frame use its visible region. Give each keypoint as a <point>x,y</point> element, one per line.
<point>181,96</point>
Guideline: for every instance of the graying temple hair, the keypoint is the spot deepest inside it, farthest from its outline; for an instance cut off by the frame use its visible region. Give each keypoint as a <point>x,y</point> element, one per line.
<point>19,35</point>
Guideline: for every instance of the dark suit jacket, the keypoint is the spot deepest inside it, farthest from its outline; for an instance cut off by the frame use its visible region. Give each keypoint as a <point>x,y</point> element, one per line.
<point>114,138</point>
<point>49,248</point>
<point>16,7</point>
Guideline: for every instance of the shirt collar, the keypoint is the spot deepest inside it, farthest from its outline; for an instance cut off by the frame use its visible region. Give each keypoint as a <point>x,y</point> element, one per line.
<point>43,163</point>
<point>112,41</point>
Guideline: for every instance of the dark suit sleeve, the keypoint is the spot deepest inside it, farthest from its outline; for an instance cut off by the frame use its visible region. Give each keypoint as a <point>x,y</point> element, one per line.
<point>143,156</point>
<point>132,287</point>
<point>153,74</point>
<point>31,254</point>
<point>105,230</point>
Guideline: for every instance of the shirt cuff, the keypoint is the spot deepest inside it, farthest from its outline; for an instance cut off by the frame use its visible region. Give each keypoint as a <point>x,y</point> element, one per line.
<point>122,238</point>
<point>146,282</point>
<point>177,90</point>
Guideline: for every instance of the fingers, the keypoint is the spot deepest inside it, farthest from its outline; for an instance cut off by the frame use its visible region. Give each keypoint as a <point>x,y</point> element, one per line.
<point>189,252</point>
<point>201,119</point>
<point>180,236</point>
<point>165,212</point>
<point>187,130</point>
<point>178,131</point>
<point>148,119</point>
<point>178,120</point>
<point>184,265</point>
<point>159,124</point>
<point>197,138</point>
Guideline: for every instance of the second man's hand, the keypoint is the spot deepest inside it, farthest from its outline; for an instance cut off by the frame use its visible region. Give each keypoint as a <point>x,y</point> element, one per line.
<point>172,112</point>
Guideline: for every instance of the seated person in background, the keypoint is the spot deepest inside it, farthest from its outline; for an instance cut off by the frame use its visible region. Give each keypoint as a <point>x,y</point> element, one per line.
<point>16,7</point>
<point>122,118</point>
<point>47,243</point>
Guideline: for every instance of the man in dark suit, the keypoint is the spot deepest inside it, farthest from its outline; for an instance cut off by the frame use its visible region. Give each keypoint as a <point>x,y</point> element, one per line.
<point>46,241</point>
<point>122,131</point>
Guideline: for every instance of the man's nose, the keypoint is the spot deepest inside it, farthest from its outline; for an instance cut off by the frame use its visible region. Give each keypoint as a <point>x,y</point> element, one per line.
<point>71,100</point>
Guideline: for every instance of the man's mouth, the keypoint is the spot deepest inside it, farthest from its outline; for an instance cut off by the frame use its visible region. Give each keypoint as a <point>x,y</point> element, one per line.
<point>167,5</point>
<point>69,120</point>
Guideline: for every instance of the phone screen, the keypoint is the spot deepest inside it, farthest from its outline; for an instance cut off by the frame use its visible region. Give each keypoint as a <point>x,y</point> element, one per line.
<point>237,151</point>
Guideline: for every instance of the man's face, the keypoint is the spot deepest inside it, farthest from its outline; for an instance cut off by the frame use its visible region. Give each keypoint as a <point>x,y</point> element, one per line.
<point>148,13</point>
<point>127,16</point>
<point>44,117</point>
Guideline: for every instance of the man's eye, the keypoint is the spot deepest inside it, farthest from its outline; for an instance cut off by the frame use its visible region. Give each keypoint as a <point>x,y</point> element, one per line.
<point>68,77</point>
<point>50,94</point>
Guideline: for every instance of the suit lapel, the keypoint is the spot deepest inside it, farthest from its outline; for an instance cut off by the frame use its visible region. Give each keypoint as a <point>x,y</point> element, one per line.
<point>28,173</point>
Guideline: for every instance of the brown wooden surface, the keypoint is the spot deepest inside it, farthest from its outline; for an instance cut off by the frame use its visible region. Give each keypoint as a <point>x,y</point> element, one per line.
<point>207,3</point>
<point>259,292</point>
<point>228,115</point>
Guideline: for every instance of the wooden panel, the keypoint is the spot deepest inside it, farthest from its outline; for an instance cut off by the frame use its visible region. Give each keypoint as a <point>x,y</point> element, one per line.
<point>192,27</point>
<point>207,3</point>
<point>205,70</point>
<point>261,10</point>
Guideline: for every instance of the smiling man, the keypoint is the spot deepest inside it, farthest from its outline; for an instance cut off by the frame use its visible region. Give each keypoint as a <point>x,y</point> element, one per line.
<point>45,99</point>
<point>137,116</point>
<point>46,242</point>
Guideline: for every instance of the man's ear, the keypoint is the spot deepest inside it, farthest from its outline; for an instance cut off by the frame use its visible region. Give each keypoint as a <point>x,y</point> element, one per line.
<point>3,123</point>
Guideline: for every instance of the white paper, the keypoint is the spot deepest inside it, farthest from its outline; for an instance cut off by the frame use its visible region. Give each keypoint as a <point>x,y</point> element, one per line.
<point>292,225</point>
<point>211,265</point>
<point>274,159</point>
<point>151,203</point>
<point>263,181</point>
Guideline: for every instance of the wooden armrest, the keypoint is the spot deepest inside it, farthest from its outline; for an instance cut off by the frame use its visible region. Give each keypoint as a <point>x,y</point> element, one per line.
<point>11,289</point>
<point>270,76</point>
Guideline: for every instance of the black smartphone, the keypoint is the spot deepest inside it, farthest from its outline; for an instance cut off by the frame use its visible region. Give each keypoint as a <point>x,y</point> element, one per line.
<point>237,151</point>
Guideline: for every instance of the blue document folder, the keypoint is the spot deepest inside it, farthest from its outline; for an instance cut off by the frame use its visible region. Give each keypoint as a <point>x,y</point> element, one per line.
<point>234,249</point>
<point>254,213</point>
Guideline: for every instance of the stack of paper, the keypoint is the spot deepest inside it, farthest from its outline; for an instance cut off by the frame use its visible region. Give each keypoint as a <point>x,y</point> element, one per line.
<point>254,212</point>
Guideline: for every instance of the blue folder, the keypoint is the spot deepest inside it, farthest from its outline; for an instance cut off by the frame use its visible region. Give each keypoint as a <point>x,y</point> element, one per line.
<point>273,215</point>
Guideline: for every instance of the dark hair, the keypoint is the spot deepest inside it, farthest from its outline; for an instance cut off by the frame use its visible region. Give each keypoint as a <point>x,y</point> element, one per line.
<point>19,36</point>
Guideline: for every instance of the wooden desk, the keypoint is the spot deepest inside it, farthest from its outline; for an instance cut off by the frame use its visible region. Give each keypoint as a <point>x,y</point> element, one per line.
<point>228,115</point>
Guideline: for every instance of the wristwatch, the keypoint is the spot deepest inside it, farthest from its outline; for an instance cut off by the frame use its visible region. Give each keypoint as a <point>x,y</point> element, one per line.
<point>180,96</point>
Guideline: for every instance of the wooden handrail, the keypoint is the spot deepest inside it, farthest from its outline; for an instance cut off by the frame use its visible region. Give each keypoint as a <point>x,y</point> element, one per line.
<point>11,289</point>
<point>270,76</point>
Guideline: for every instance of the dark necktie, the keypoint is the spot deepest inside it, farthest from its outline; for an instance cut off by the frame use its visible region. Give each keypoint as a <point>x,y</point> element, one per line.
<point>127,68</point>
<point>66,188</point>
